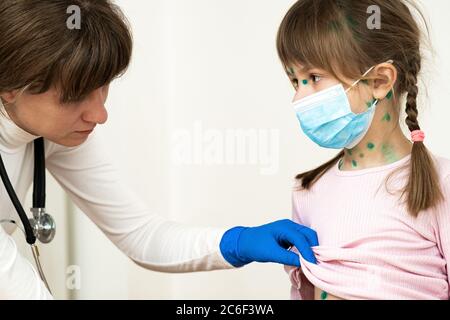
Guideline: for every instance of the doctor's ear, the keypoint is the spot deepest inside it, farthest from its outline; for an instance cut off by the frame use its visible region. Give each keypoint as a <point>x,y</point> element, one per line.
<point>9,97</point>
<point>384,77</point>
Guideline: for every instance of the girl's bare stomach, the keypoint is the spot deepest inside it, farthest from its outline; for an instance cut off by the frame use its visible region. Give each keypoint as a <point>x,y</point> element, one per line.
<point>319,294</point>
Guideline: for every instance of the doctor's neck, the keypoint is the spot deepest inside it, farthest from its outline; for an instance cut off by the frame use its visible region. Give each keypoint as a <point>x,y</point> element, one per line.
<point>383,144</point>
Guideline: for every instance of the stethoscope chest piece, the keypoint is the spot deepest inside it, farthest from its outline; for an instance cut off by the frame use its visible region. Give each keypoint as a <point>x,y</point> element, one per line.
<point>43,225</point>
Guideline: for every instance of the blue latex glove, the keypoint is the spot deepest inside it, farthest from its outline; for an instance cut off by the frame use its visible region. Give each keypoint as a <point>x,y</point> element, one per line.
<point>269,243</point>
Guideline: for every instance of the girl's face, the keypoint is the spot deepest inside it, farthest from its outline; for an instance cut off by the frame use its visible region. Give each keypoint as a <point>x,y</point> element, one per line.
<point>307,82</point>
<point>44,115</point>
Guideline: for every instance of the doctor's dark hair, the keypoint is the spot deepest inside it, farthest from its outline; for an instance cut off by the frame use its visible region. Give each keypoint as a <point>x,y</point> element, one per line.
<point>326,34</point>
<point>39,51</point>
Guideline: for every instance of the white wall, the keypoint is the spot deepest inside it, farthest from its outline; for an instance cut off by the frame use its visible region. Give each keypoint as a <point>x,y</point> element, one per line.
<point>212,65</point>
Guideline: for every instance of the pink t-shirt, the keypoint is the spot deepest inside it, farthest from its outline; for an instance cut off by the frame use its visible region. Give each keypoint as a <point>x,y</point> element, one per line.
<point>370,247</point>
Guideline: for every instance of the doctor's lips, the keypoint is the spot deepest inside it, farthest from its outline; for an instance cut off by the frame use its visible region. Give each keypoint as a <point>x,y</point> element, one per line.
<point>86,132</point>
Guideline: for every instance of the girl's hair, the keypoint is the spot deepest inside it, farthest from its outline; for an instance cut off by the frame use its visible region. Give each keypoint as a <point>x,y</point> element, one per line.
<point>328,34</point>
<point>38,49</point>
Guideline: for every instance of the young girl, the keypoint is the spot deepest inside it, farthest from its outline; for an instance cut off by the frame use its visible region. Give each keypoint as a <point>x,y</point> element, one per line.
<point>381,206</point>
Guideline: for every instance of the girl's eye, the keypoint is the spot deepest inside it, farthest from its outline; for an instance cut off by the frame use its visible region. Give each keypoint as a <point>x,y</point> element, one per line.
<point>295,83</point>
<point>316,78</point>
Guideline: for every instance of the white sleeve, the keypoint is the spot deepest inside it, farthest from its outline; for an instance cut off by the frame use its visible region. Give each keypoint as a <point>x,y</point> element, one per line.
<point>93,182</point>
<point>18,278</point>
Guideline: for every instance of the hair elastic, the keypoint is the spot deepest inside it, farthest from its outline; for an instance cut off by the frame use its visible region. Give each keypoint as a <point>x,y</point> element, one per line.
<point>417,136</point>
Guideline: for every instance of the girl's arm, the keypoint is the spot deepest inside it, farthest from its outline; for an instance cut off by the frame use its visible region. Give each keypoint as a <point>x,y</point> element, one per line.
<point>301,287</point>
<point>94,184</point>
<point>443,223</point>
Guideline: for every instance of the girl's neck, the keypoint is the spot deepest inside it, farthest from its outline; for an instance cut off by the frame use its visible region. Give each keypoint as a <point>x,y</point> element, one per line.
<point>384,143</point>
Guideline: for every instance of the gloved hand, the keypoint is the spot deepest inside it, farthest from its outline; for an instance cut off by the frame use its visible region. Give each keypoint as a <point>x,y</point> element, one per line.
<point>269,243</point>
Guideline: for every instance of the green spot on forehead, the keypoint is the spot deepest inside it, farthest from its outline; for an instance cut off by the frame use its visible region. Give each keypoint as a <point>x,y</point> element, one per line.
<point>305,82</point>
<point>370,146</point>
<point>323,295</point>
<point>349,151</point>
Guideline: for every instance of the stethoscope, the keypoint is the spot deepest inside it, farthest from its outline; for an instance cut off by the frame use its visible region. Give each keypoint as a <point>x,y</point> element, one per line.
<point>42,226</point>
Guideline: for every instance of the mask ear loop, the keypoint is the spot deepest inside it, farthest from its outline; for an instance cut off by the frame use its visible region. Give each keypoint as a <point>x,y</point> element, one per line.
<point>365,74</point>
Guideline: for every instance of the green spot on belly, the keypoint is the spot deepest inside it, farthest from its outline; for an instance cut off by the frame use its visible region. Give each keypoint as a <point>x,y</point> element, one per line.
<point>323,295</point>
<point>305,82</point>
<point>370,146</point>
<point>354,163</point>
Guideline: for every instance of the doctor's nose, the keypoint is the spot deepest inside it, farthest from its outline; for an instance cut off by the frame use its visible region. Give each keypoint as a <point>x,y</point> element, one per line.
<point>95,111</point>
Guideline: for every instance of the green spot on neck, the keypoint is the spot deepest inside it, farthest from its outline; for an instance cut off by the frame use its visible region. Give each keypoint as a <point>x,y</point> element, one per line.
<point>387,117</point>
<point>323,295</point>
<point>389,95</point>
<point>389,153</point>
<point>370,146</point>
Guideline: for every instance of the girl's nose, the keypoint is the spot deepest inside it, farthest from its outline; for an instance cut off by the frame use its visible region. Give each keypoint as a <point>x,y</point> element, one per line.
<point>302,92</point>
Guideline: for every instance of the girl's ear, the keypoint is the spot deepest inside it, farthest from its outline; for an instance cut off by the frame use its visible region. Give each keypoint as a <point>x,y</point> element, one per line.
<point>384,76</point>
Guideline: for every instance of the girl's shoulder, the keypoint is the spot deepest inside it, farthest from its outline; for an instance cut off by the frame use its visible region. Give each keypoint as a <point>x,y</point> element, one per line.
<point>442,166</point>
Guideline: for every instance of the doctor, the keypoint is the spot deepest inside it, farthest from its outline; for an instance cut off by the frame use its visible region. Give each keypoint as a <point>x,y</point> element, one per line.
<point>54,83</point>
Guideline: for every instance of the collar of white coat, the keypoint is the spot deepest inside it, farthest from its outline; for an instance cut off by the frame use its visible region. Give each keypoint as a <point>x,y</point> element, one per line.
<point>12,137</point>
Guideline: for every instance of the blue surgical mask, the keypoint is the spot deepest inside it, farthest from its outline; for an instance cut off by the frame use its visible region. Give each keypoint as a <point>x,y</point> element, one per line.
<point>327,118</point>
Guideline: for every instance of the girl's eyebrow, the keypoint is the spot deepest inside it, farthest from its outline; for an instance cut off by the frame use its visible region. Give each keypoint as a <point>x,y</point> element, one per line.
<point>305,69</point>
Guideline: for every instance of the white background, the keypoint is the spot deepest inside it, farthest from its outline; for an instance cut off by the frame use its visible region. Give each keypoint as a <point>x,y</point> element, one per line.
<point>212,63</point>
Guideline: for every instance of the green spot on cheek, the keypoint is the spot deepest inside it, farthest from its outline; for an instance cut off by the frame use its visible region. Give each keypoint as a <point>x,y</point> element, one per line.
<point>324,295</point>
<point>305,82</point>
<point>387,117</point>
<point>354,163</point>
<point>371,103</point>
<point>349,152</point>
<point>361,155</point>
<point>370,146</point>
